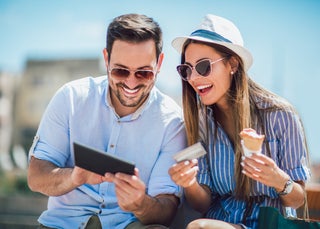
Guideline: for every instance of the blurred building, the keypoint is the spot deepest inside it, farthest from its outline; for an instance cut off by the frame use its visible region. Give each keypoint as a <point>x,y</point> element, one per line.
<point>39,82</point>
<point>7,92</point>
<point>315,170</point>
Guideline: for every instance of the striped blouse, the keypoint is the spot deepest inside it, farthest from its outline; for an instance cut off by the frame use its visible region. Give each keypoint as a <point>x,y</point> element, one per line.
<point>285,137</point>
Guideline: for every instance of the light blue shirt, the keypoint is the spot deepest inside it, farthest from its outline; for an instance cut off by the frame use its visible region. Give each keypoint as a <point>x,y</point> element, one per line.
<point>285,136</point>
<point>81,111</point>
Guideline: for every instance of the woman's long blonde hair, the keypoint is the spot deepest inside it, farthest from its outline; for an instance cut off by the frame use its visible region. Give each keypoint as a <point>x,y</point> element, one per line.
<point>244,111</point>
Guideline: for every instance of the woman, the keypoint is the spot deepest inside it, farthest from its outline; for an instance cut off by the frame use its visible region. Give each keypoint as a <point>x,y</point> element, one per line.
<point>219,101</point>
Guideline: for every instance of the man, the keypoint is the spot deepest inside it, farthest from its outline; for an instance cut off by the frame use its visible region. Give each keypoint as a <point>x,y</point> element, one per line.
<point>124,114</point>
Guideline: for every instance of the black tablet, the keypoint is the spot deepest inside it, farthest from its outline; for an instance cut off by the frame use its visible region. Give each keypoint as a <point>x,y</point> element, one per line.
<point>100,162</point>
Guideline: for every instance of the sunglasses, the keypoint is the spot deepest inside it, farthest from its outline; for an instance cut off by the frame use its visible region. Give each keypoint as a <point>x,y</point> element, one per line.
<point>122,73</point>
<point>203,68</point>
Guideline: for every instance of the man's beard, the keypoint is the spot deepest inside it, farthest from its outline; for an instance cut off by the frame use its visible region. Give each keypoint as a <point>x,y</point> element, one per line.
<point>129,102</point>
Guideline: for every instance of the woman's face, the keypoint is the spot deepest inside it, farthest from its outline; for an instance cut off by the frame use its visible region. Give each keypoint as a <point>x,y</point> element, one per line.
<point>213,88</point>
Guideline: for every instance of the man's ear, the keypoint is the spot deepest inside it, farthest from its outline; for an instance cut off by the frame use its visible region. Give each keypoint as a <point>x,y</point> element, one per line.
<point>106,57</point>
<point>160,59</point>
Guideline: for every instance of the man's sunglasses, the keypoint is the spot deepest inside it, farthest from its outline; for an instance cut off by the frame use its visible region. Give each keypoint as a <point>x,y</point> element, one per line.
<point>122,73</point>
<point>203,68</point>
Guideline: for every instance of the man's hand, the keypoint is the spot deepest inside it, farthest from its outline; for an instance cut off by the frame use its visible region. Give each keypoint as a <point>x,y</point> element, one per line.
<point>130,190</point>
<point>81,176</point>
<point>132,197</point>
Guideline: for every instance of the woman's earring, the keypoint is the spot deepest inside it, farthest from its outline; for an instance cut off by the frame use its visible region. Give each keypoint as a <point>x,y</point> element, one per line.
<point>231,72</point>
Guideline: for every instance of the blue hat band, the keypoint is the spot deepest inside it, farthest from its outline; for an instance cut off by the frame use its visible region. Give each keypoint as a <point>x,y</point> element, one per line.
<point>209,35</point>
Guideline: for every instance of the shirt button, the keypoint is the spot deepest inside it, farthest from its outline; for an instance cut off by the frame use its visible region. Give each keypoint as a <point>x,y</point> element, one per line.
<point>111,145</point>
<point>103,206</point>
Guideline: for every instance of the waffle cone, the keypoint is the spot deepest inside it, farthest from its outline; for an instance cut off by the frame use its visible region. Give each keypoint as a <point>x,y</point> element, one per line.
<point>251,140</point>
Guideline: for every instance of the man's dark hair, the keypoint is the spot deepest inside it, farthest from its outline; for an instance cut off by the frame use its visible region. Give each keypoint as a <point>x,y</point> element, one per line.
<point>134,28</point>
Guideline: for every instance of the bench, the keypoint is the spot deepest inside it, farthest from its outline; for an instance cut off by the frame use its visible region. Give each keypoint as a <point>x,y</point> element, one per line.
<point>313,197</point>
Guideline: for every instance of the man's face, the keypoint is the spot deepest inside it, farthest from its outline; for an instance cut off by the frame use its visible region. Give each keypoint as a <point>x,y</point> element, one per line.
<point>129,91</point>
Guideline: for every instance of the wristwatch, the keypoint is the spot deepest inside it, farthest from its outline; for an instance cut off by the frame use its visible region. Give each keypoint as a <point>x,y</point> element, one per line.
<point>287,188</point>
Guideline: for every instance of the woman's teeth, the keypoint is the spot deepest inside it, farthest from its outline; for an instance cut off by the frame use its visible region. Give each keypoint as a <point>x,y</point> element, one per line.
<point>203,87</point>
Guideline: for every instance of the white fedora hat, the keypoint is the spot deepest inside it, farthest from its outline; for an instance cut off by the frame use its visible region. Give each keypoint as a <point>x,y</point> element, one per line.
<point>218,30</point>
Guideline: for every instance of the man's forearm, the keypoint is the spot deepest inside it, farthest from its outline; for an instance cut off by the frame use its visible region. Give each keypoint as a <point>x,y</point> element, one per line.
<point>48,179</point>
<point>158,210</point>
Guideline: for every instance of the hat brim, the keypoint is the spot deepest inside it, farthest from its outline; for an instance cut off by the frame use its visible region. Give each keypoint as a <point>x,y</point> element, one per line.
<point>243,53</point>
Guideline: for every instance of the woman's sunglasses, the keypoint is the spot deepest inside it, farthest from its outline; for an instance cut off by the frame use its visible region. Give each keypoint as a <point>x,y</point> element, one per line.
<point>203,68</point>
<point>122,73</point>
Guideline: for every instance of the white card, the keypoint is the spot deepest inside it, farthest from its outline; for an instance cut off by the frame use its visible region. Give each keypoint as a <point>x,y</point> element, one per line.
<point>194,151</point>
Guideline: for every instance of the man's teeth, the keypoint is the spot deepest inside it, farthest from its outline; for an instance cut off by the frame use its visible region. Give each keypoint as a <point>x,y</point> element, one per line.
<point>130,91</point>
<point>203,87</point>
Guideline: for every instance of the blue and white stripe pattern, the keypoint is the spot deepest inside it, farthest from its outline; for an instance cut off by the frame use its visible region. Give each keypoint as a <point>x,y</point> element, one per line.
<point>285,137</point>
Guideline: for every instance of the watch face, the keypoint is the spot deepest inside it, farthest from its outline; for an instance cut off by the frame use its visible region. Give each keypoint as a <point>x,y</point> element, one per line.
<point>289,186</point>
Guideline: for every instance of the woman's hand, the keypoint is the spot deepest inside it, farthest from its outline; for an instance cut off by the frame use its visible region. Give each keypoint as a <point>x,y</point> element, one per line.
<point>263,169</point>
<point>184,173</point>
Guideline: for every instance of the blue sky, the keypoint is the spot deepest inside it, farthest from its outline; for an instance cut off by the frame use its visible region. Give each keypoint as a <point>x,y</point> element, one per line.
<point>283,36</point>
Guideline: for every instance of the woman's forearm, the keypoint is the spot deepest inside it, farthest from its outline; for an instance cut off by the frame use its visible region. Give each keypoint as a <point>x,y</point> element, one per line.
<point>198,196</point>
